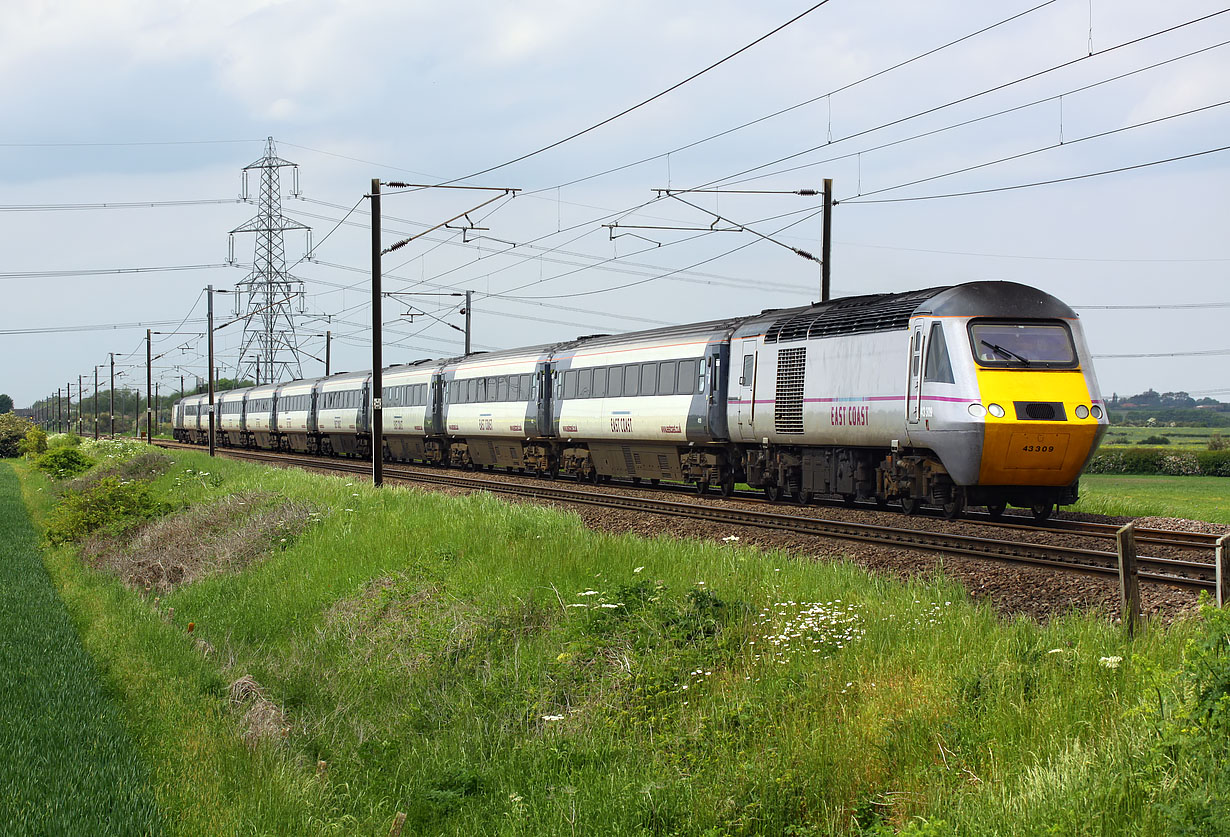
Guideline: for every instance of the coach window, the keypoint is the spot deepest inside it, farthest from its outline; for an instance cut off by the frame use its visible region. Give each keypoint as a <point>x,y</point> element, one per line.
<point>687,374</point>
<point>615,381</point>
<point>749,367</point>
<point>514,387</point>
<point>503,388</point>
<point>527,389</point>
<point>570,384</point>
<point>666,377</point>
<point>599,390</point>
<point>585,383</point>
<point>649,379</point>
<point>632,377</point>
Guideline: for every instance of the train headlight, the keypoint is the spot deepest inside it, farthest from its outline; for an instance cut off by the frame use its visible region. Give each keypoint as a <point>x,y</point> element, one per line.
<point>1097,411</point>
<point>1082,412</point>
<point>995,410</point>
<point>977,410</point>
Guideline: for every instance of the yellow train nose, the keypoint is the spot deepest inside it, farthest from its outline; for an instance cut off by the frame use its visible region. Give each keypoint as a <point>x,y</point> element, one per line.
<point>1037,436</point>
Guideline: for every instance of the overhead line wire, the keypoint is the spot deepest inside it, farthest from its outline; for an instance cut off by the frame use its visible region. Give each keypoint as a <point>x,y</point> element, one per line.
<point>793,107</point>
<point>858,198</point>
<point>970,97</point>
<point>1044,182</point>
<point>641,104</point>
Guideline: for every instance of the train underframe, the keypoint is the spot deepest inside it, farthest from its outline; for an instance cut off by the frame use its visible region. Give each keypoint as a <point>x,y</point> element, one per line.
<point>910,478</point>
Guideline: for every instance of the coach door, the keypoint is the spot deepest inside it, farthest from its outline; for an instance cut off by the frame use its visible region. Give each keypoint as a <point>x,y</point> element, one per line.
<point>914,391</point>
<point>745,389</point>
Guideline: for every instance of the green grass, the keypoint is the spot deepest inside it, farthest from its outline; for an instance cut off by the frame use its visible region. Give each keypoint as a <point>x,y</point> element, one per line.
<point>490,668</point>
<point>68,765</point>
<point>1198,498</point>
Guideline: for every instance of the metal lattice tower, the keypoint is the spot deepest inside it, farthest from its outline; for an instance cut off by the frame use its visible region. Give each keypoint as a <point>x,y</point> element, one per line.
<point>269,298</point>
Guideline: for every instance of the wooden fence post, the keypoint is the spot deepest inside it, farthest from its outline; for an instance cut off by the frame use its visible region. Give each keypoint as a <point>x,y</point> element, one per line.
<point>1222,558</point>
<point>1129,580</point>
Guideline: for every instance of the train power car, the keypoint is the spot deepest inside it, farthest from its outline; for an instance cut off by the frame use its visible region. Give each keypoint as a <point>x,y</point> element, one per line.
<point>981,393</point>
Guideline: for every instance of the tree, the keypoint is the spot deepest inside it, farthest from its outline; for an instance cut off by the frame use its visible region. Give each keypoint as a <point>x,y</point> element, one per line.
<point>6,403</point>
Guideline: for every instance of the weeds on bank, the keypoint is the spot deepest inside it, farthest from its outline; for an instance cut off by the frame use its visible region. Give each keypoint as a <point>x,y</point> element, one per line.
<point>497,669</point>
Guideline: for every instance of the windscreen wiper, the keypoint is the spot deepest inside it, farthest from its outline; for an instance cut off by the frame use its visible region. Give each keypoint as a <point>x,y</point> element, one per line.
<point>1006,352</point>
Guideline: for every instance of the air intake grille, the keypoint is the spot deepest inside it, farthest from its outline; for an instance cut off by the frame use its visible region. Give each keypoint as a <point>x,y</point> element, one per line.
<point>852,315</point>
<point>1040,411</point>
<point>788,410</point>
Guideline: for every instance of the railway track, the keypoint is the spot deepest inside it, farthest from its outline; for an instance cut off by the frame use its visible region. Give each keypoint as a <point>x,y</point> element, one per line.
<point>1187,574</point>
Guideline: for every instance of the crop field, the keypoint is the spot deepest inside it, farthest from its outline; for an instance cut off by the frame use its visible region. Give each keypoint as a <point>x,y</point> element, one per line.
<point>69,766</point>
<point>300,654</point>
<point>1197,498</point>
<point>1180,437</point>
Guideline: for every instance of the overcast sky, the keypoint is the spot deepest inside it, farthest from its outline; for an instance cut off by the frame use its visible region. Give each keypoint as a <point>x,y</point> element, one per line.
<point>157,102</point>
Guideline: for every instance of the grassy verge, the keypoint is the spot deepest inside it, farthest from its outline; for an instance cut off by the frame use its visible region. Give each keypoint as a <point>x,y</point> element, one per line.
<point>489,668</point>
<point>1198,498</point>
<point>68,765</point>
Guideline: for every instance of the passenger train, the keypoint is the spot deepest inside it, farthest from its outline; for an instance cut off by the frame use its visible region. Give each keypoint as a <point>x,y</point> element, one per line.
<point>981,394</point>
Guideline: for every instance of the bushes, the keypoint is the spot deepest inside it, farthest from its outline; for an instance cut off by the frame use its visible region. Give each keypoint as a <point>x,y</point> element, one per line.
<point>1154,461</point>
<point>13,429</point>
<point>33,443</point>
<point>109,504</point>
<point>1154,440</point>
<point>64,463</point>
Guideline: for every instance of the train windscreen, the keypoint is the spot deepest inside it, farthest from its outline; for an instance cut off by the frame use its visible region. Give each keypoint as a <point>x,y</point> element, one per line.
<point>1022,345</point>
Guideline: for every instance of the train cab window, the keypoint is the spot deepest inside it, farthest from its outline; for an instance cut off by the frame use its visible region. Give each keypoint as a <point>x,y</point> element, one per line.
<point>503,388</point>
<point>649,379</point>
<point>1020,345</point>
<point>570,384</point>
<point>939,367</point>
<point>666,377</point>
<point>632,377</point>
<point>615,381</point>
<point>585,383</point>
<point>599,390</point>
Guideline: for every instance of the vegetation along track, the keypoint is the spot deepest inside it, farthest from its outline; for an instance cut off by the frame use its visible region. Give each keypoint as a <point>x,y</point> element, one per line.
<point>1177,572</point>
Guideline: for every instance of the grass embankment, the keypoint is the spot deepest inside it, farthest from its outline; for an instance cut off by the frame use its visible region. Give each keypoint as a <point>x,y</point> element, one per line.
<point>68,765</point>
<point>497,669</point>
<point>1198,498</point>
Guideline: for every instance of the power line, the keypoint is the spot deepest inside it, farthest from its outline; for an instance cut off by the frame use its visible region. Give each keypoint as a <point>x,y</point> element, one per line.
<point>1028,257</point>
<point>1205,353</point>
<point>966,122</point>
<point>652,98</point>
<point>1041,182</point>
<point>972,96</point>
<point>58,207</point>
<point>120,144</point>
<point>1051,147</point>
<point>798,105</point>
<point>97,327</point>
<point>48,274</point>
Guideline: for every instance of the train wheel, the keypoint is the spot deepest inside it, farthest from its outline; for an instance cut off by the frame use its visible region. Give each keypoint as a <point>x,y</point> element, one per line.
<point>955,504</point>
<point>773,492</point>
<point>726,487</point>
<point>802,497</point>
<point>910,505</point>
<point>996,510</point>
<point>702,488</point>
<point>1042,511</point>
<point>595,477</point>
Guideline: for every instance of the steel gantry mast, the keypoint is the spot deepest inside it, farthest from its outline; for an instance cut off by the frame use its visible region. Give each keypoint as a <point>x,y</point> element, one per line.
<point>269,297</point>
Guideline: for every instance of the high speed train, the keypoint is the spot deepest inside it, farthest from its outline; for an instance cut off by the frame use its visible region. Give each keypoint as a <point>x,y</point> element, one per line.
<point>981,394</point>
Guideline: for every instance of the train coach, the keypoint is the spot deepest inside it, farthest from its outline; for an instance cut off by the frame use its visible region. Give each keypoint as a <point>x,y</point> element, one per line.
<point>982,393</point>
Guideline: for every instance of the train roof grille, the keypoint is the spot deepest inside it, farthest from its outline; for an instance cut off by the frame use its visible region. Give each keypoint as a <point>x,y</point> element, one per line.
<point>849,315</point>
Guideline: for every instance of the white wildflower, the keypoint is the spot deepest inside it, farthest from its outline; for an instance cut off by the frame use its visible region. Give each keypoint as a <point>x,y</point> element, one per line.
<point>1111,662</point>
<point>637,570</point>
<point>553,717</point>
<point>731,538</point>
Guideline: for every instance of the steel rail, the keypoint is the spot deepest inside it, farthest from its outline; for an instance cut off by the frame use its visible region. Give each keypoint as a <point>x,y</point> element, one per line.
<point>1083,561</point>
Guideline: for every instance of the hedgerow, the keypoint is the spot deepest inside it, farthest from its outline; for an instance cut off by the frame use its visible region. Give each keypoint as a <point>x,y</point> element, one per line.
<point>1211,463</point>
